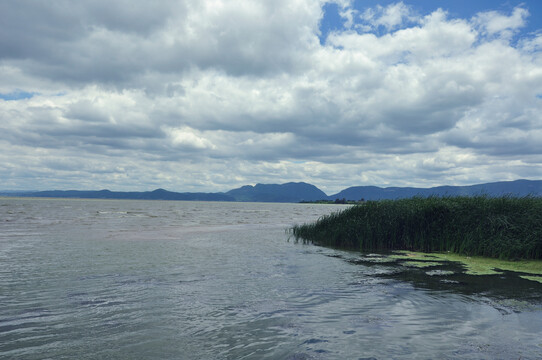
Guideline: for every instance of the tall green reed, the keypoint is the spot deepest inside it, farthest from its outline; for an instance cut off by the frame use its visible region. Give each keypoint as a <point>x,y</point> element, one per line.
<point>504,227</point>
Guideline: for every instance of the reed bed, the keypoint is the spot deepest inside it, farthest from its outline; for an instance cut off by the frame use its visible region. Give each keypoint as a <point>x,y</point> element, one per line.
<point>503,227</point>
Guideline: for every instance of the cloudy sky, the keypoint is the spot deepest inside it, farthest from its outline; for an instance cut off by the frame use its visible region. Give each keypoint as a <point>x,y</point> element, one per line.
<point>193,95</point>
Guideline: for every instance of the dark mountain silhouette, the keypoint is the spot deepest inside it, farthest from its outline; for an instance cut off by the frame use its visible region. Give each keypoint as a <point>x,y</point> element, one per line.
<point>296,192</point>
<point>289,192</point>
<point>503,188</point>
<point>158,194</point>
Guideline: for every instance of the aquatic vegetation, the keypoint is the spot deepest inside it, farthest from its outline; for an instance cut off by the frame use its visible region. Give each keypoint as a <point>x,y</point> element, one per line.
<point>377,259</point>
<point>420,264</point>
<point>411,255</point>
<point>477,265</point>
<point>532,278</point>
<point>502,228</point>
<point>472,265</point>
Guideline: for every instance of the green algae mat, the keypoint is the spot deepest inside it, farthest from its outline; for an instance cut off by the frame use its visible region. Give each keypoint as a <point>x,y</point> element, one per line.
<point>473,265</point>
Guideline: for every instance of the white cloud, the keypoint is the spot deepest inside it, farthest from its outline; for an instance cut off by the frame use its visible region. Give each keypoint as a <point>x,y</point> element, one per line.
<point>348,15</point>
<point>236,92</point>
<point>390,17</point>
<point>494,22</point>
<point>532,45</point>
<point>186,137</point>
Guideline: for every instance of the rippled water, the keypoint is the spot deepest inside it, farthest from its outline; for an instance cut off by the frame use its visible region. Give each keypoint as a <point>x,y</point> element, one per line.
<point>92,279</point>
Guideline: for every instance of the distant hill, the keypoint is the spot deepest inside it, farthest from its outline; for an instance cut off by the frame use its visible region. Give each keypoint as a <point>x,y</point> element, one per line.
<point>289,192</point>
<point>158,194</point>
<point>300,191</point>
<point>512,188</point>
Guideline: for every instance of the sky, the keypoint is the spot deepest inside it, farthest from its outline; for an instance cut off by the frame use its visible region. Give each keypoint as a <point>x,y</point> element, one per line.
<point>192,95</point>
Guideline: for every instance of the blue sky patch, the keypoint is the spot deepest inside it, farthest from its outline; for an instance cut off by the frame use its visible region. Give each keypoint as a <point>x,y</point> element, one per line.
<point>463,9</point>
<point>331,21</point>
<point>17,95</point>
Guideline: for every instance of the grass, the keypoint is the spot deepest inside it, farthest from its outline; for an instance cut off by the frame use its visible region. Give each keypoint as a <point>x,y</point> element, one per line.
<point>503,228</point>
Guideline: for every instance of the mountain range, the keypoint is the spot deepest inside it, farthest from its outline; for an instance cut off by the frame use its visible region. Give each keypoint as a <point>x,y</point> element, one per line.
<point>300,191</point>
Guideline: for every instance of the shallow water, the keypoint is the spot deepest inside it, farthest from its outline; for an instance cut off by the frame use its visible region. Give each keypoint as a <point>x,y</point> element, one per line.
<point>97,279</point>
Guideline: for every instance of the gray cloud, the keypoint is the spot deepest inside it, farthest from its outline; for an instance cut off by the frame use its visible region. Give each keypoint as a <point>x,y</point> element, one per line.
<point>115,42</point>
<point>209,95</point>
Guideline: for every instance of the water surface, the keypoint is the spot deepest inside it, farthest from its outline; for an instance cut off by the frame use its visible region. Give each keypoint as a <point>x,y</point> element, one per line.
<point>107,279</point>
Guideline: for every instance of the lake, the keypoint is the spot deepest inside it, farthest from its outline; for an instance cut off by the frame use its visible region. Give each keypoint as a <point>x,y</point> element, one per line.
<point>108,279</point>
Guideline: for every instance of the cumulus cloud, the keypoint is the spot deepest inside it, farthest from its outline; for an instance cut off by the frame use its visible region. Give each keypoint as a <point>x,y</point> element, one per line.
<point>493,22</point>
<point>390,17</point>
<point>126,95</point>
<point>187,138</point>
